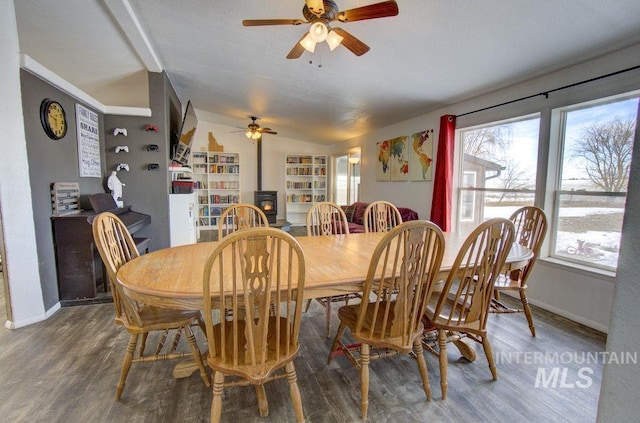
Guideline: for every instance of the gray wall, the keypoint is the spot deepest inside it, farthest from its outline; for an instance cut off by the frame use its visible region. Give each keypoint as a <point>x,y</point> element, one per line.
<point>51,161</point>
<point>57,161</point>
<point>146,191</point>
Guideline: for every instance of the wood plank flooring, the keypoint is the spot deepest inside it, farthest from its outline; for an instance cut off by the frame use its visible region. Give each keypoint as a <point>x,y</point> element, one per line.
<point>65,369</point>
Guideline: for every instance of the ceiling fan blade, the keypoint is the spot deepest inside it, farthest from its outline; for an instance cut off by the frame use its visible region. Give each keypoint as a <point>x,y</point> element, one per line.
<point>372,11</point>
<point>267,131</point>
<point>297,49</point>
<point>263,22</point>
<point>356,46</point>
<point>315,6</point>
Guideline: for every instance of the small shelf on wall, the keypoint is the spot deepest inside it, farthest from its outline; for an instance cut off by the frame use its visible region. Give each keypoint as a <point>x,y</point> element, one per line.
<point>216,180</point>
<point>305,184</point>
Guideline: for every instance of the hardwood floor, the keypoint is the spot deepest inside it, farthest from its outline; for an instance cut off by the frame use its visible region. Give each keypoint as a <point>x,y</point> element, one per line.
<point>66,369</point>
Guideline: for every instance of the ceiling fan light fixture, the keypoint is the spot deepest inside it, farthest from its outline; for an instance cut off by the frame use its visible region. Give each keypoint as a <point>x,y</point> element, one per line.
<point>308,43</point>
<point>334,40</point>
<point>318,32</point>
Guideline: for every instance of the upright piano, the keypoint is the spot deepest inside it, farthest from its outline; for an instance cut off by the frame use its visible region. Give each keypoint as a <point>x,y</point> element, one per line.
<point>81,275</point>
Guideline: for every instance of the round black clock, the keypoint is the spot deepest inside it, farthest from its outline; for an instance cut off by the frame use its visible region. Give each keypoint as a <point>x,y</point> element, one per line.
<point>53,119</point>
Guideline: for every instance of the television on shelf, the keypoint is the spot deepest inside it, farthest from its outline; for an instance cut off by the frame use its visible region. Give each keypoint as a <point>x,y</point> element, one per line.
<point>182,145</point>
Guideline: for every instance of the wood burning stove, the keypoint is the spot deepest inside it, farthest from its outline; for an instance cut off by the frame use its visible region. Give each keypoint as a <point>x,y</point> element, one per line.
<point>267,201</point>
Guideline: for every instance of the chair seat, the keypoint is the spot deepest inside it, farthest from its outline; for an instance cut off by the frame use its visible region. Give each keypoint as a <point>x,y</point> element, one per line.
<point>349,316</point>
<point>276,357</point>
<point>506,283</point>
<point>154,318</point>
<point>450,319</point>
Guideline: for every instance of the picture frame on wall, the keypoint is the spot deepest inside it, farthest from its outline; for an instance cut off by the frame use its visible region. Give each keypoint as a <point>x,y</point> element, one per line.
<point>393,159</point>
<point>421,156</point>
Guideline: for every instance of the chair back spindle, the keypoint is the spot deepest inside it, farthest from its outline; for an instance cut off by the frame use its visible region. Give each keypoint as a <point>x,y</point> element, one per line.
<point>326,218</point>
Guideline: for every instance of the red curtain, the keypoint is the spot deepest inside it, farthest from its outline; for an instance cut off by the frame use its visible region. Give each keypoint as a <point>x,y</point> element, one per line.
<point>443,180</point>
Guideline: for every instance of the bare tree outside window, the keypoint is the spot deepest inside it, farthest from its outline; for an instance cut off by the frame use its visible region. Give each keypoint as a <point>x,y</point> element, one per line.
<point>606,148</point>
<point>484,142</point>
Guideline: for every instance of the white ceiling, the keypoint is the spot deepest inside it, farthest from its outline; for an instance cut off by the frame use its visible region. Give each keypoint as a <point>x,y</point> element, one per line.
<point>434,53</point>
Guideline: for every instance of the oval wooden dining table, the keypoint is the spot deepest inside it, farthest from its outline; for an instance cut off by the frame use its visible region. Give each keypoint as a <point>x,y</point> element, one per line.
<point>335,264</point>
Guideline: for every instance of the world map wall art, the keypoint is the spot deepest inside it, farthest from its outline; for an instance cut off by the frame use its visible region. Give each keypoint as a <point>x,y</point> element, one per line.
<point>396,158</point>
<point>421,156</point>
<point>393,160</point>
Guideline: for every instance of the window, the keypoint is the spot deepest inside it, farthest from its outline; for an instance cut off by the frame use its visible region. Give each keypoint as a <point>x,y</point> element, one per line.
<point>467,197</point>
<point>498,171</point>
<point>341,180</point>
<point>596,142</point>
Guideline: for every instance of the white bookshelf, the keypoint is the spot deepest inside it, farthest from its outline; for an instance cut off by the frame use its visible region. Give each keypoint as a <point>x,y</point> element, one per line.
<point>216,177</point>
<point>305,184</point>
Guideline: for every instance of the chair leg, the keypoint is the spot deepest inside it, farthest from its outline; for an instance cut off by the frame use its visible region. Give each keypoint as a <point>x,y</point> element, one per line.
<point>442,358</point>
<point>364,379</point>
<point>306,307</point>
<point>527,311</point>
<point>336,341</point>
<point>294,391</point>
<point>422,366</point>
<point>489,353</point>
<point>263,404</point>
<point>143,342</point>
<point>216,402</point>
<point>328,311</point>
<point>191,339</point>
<point>126,364</point>
<point>200,323</point>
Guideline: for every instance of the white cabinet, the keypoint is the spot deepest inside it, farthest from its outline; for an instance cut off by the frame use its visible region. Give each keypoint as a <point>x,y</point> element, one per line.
<point>216,177</point>
<point>305,184</point>
<point>182,220</point>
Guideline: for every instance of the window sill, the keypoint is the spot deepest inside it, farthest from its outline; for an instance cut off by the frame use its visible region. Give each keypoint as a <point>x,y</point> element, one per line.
<point>578,268</point>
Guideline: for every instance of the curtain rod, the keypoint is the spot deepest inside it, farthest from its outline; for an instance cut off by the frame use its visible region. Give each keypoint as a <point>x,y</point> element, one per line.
<point>546,93</point>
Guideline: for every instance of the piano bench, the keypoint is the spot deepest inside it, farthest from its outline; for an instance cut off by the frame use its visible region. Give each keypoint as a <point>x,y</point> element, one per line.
<point>142,244</point>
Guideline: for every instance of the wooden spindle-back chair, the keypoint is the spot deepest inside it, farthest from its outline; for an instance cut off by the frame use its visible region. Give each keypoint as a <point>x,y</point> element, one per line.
<point>531,226</point>
<point>241,216</point>
<point>260,273</point>
<point>462,307</point>
<point>116,247</point>
<point>406,261</point>
<point>326,218</point>
<point>381,216</point>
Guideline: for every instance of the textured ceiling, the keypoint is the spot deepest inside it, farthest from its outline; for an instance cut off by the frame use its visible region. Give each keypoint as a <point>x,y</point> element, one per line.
<point>432,54</point>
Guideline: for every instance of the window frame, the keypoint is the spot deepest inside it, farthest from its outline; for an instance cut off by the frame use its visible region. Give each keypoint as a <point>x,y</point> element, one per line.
<point>459,171</point>
<point>557,137</point>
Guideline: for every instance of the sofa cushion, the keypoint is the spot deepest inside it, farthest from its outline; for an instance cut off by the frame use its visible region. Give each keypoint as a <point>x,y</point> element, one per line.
<point>349,211</point>
<point>407,214</point>
<point>358,216</point>
<point>354,228</point>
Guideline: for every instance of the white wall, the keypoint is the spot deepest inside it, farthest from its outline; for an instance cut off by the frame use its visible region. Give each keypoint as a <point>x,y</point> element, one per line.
<point>585,297</point>
<point>619,389</point>
<point>274,149</point>
<point>20,263</point>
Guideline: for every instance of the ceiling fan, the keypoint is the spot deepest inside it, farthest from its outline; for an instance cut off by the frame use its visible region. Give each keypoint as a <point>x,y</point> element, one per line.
<point>254,131</point>
<point>319,13</point>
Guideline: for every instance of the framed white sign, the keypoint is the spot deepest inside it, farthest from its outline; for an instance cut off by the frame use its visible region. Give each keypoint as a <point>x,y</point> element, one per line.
<point>88,142</point>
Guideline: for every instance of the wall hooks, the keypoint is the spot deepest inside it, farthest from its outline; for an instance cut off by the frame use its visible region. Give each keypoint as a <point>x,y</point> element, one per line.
<point>153,166</point>
<point>122,148</point>
<point>119,131</point>
<point>150,127</point>
<point>121,166</point>
<point>153,147</point>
